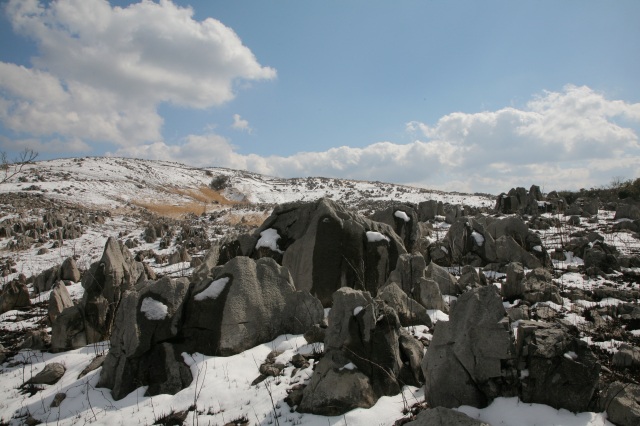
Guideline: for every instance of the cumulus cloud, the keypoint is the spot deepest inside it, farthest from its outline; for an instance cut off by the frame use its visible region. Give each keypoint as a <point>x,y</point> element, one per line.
<point>559,140</point>
<point>241,124</point>
<point>102,71</point>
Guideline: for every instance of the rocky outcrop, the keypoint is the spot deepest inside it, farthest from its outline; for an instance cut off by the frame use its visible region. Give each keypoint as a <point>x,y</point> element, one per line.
<point>478,241</point>
<point>14,295</point>
<point>471,357</point>
<point>244,303</point>
<point>621,401</point>
<point>561,370</point>
<point>141,352</point>
<point>410,275</point>
<point>446,282</point>
<point>68,271</point>
<point>367,356</point>
<point>50,374</point>
<point>403,219</point>
<point>59,300</point>
<point>519,200</point>
<point>105,282</point>
<point>326,247</point>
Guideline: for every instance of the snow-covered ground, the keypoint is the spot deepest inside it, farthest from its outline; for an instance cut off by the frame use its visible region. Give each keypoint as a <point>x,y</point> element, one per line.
<point>221,390</point>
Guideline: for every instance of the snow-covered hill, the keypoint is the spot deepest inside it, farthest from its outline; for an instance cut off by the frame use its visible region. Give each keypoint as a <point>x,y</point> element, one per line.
<point>115,182</point>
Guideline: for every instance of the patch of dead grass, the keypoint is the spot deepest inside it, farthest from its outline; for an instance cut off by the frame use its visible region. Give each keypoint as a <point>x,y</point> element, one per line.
<point>204,199</point>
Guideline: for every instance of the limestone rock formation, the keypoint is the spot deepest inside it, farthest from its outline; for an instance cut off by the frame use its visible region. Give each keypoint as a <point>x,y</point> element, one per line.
<point>468,360</point>
<point>244,303</point>
<point>365,348</point>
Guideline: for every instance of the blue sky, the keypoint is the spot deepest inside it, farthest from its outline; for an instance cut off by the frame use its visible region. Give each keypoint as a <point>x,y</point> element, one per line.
<point>457,95</point>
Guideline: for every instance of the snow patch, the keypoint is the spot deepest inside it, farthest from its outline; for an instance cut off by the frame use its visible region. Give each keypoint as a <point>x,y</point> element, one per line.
<point>213,290</point>
<point>153,309</point>
<point>373,237</point>
<point>571,355</point>
<point>350,366</point>
<point>269,239</point>
<point>478,238</point>
<point>402,215</point>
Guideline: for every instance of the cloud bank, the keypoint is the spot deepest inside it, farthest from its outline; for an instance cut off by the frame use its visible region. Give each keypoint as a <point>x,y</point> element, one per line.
<point>102,71</point>
<point>560,140</point>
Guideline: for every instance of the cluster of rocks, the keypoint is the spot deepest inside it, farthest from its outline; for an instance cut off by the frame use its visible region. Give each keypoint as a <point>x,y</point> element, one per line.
<point>378,274</point>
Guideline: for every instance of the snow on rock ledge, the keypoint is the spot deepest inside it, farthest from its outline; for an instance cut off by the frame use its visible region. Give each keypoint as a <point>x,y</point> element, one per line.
<point>213,291</point>
<point>153,309</point>
<point>269,239</point>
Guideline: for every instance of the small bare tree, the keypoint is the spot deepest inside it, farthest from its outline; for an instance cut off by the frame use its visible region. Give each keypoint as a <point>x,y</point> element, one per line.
<point>9,169</point>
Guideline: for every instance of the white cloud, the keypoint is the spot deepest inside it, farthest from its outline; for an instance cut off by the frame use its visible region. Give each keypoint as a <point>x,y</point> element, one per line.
<point>102,71</point>
<point>241,124</point>
<point>548,143</point>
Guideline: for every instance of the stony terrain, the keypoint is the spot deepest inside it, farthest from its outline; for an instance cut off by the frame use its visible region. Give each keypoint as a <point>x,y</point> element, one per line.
<point>182,295</point>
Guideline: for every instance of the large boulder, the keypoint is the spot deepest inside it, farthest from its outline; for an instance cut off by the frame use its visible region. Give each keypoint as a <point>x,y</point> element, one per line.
<point>513,288</point>
<point>244,303</point>
<point>622,403</point>
<point>404,221</point>
<point>147,323</point>
<point>105,282</point>
<point>628,210</point>
<point>69,270</point>
<point>49,375</point>
<point>409,311</point>
<point>446,282</point>
<point>561,369</point>
<point>410,275</point>
<point>428,210</point>
<point>368,355</point>
<point>519,200</point>
<point>481,240</point>
<point>67,331</point>
<point>539,287</point>
<point>14,295</point>
<point>469,361</point>
<point>326,247</point>
<point>59,300</point>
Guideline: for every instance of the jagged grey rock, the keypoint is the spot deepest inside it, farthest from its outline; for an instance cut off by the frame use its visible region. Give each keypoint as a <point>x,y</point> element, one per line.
<point>69,270</point>
<point>59,300</point>
<point>336,388</point>
<point>622,403</point>
<point>396,217</point>
<point>409,311</point>
<point>467,361</point>
<point>539,287</point>
<point>446,282</point>
<point>326,247</point>
<point>148,317</point>
<point>410,276</point>
<point>67,331</point>
<point>513,288</point>
<point>365,348</point>
<point>105,282</point>
<point>257,301</point>
<point>14,295</point>
<point>49,375</point>
<point>562,370</point>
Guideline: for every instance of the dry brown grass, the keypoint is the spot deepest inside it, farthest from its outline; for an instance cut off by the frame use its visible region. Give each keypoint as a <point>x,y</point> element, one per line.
<point>204,199</point>
<point>204,194</point>
<point>249,219</point>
